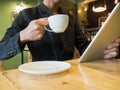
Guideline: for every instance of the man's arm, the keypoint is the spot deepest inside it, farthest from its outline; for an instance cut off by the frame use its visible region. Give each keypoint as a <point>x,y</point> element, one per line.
<point>19,34</point>
<point>9,45</point>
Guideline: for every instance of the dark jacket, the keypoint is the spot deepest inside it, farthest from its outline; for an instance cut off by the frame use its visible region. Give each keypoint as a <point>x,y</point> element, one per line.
<point>53,46</point>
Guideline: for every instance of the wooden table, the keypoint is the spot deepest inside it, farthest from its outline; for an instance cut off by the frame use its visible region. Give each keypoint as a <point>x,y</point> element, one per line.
<point>96,75</point>
<point>1,65</point>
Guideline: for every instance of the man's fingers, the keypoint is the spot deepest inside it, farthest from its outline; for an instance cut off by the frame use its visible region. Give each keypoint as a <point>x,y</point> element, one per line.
<point>111,50</point>
<point>113,45</point>
<point>117,40</point>
<point>114,50</point>
<point>111,55</point>
<point>106,51</point>
<point>42,21</point>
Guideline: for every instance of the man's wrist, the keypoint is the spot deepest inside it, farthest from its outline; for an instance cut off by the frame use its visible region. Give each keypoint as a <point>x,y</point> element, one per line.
<point>22,38</point>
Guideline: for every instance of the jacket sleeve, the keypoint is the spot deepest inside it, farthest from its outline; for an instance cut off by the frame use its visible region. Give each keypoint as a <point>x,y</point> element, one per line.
<point>9,46</point>
<point>81,41</point>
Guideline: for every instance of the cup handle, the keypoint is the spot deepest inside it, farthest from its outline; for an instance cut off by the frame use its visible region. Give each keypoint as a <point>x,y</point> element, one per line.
<point>47,29</point>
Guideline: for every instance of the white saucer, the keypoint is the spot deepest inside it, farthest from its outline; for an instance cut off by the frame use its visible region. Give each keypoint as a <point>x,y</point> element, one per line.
<point>44,67</point>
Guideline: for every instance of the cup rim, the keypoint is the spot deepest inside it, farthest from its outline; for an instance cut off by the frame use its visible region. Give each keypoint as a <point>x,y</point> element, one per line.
<point>58,15</point>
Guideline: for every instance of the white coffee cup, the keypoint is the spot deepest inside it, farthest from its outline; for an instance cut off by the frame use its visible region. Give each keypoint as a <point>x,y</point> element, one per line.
<point>58,23</point>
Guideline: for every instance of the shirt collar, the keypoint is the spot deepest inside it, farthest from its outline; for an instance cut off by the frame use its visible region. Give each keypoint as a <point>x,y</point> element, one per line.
<point>44,9</point>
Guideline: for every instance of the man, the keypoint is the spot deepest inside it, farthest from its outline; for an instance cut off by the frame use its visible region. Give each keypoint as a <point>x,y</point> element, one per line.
<point>28,28</point>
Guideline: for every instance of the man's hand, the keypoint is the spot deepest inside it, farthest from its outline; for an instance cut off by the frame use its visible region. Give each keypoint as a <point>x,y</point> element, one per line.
<point>34,31</point>
<point>112,50</point>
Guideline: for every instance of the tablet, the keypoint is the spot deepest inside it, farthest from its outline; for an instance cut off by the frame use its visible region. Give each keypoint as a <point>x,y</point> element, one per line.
<point>109,31</point>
